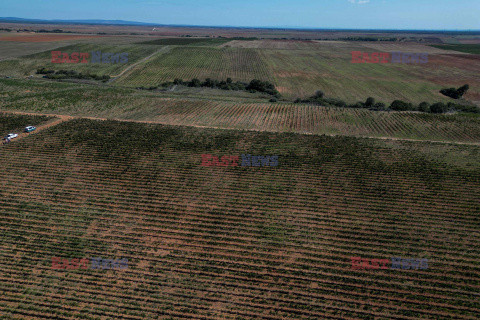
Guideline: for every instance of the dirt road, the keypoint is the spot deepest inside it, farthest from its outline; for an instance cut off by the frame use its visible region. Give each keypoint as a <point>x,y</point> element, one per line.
<point>50,123</point>
<point>115,77</point>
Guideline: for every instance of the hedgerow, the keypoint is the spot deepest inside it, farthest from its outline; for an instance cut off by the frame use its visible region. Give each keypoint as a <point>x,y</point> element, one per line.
<point>70,74</point>
<point>254,85</point>
<point>396,105</point>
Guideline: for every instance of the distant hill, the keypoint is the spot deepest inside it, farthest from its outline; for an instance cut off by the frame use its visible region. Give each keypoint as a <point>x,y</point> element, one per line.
<point>135,23</point>
<point>102,22</point>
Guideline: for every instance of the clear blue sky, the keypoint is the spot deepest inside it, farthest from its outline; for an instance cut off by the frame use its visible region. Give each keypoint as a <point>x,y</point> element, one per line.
<point>361,14</point>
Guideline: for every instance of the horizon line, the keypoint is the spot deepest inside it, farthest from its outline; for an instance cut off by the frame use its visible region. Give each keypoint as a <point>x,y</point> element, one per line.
<point>145,24</point>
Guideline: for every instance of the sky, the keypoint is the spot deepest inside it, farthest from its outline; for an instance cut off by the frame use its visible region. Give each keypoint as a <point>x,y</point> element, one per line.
<point>330,14</point>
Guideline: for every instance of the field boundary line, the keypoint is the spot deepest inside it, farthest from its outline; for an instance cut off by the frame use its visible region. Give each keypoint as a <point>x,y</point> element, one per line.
<point>67,118</point>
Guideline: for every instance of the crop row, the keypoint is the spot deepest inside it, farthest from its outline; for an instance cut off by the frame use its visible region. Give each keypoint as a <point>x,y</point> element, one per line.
<point>232,243</point>
<point>187,63</point>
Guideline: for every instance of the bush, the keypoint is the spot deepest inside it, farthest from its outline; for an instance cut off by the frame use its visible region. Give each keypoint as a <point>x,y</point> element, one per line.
<point>318,94</point>
<point>465,108</point>
<point>178,81</point>
<point>450,92</point>
<point>424,107</point>
<point>399,105</point>
<point>195,83</point>
<point>263,86</point>
<point>335,102</point>
<point>438,107</point>
<point>210,83</point>
<point>463,89</point>
<point>370,102</point>
<point>44,71</point>
<point>380,106</point>
<point>357,105</point>
<point>455,93</point>
<point>70,74</point>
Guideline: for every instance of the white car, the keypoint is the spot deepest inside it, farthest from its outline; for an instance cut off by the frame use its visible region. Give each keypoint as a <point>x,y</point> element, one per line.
<point>11,136</point>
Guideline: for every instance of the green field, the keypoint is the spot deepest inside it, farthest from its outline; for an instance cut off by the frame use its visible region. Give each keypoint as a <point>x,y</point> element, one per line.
<point>187,63</point>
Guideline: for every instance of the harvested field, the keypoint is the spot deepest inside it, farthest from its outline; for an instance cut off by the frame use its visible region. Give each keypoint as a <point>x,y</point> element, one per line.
<point>234,243</point>
<point>29,64</point>
<point>15,49</point>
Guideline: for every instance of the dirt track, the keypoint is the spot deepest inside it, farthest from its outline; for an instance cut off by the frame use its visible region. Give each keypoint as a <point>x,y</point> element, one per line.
<point>53,122</point>
<point>162,50</point>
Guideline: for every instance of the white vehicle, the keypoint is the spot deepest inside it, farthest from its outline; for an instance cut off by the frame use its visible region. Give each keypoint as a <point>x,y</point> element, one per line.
<point>11,136</point>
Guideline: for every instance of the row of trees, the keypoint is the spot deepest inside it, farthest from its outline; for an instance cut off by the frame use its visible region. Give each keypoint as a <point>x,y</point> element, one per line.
<point>367,39</point>
<point>37,31</point>
<point>70,74</point>
<point>397,105</point>
<point>52,31</point>
<point>254,86</point>
<point>438,107</point>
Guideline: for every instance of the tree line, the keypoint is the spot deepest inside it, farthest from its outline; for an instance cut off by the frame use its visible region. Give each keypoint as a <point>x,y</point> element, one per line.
<point>253,86</point>
<point>70,74</point>
<point>397,105</point>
